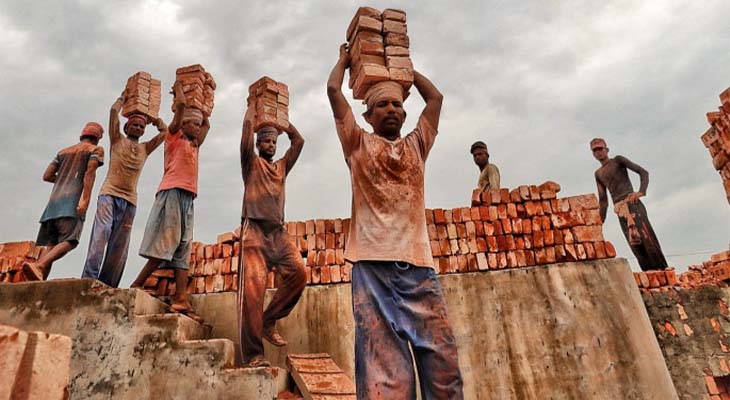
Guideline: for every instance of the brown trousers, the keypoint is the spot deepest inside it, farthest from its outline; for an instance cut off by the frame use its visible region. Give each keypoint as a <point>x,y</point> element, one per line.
<point>647,250</point>
<point>265,244</point>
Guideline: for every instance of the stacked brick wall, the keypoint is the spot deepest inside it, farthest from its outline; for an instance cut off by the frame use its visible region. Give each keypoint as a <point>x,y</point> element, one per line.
<point>524,227</point>
<point>717,139</point>
<point>12,256</point>
<point>715,271</point>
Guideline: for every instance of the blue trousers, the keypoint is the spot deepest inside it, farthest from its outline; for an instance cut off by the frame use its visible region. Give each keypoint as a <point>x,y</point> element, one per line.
<point>109,240</point>
<point>396,304</point>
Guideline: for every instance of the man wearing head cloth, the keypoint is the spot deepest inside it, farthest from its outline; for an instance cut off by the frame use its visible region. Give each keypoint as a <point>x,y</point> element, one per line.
<point>169,232</point>
<point>489,173</point>
<point>72,173</point>
<point>265,241</point>
<point>397,300</point>
<point>631,212</point>
<point>116,205</point>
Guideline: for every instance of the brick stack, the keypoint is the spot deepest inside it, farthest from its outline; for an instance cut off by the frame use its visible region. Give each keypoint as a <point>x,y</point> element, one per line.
<point>142,96</point>
<point>12,256</point>
<point>715,271</point>
<point>524,227</point>
<point>198,86</point>
<point>379,49</point>
<point>656,280</point>
<point>271,99</point>
<point>717,139</point>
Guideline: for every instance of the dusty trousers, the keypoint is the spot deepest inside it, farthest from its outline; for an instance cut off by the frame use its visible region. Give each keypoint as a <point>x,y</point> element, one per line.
<point>648,252</point>
<point>265,245</point>
<point>396,304</point>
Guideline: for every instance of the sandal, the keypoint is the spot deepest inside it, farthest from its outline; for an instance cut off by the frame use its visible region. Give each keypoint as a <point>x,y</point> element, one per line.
<point>188,312</point>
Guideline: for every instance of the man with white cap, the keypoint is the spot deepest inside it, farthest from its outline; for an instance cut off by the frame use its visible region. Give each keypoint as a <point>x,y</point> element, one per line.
<point>116,205</point>
<point>397,300</point>
<point>169,232</point>
<point>72,173</point>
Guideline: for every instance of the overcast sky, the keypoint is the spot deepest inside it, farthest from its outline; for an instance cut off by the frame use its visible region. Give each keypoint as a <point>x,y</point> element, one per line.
<point>536,80</point>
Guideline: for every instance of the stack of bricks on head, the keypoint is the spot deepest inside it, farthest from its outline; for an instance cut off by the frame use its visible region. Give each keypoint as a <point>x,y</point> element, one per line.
<point>142,95</point>
<point>378,45</point>
<point>717,139</point>
<point>524,227</point>
<point>12,257</point>
<point>271,101</point>
<point>198,86</point>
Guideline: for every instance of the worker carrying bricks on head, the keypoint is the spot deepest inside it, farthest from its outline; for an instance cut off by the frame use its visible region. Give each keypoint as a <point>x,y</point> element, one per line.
<point>72,173</point>
<point>488,173</point>
<point>117,202</point>
<point>397,300</point>
<point>631,212</point>
<point>169,231</point>
<point>265,241</point>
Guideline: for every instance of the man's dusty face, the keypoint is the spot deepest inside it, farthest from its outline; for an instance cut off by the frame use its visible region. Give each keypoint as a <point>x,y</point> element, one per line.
<point>386,117</point>
<point>266,146</point>
<point>600,151</point>
<point>481,157</point>
<point>191,128</point>
<point>135,128</point>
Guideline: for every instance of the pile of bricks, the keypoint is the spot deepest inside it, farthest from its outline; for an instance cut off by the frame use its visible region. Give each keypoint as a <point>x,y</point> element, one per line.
<point>12,256</point>
<point>142,96</point>
<point>198,86</point>
<point>715,271</point>
<point>718,387</point>
<point>271,100</point>
<point>656,280</point>
<point>717,139</point>
<point>524,227</point>
<point>379,49</point>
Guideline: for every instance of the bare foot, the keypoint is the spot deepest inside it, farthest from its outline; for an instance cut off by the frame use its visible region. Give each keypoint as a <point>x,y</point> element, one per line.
<point>187,309</point>
<point>274,337</point>
<point>32,272</point>
<point>257,362</point>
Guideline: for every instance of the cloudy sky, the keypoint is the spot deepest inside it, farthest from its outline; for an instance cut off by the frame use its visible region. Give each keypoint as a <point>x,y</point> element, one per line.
<point>536,80</point>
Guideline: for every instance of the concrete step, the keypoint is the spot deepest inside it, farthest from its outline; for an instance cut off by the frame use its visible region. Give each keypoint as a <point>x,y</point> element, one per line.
<point>265,382</point>
<point>145,304</point>
<point>170,327</point>
<point>219,352</point>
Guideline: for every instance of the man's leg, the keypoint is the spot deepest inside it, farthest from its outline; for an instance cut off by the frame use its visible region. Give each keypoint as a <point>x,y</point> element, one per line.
<point>251,289</point>
<point>100,232</point>
<point>383,364</point>
<point>424,320</point>
<point>66,232</point>
<point>149,267</point>
<point>161,234</point>
<point>649,253</point>
<point>118,248</point>
<point>291,268</point>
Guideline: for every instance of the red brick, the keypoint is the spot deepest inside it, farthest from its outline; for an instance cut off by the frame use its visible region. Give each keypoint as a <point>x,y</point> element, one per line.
<point>593,233</point>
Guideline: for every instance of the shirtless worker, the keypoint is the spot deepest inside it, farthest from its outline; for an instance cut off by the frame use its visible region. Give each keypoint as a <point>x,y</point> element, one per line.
<point>72,173</point>
<point>116,205</point>
<point>266,242</point>
<point>632,214</point>
<point>397,300</point>
<point>169,232</point>
<point>488,173</point>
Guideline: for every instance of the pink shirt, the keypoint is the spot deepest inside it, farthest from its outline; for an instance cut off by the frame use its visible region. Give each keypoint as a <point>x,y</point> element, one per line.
<point>181,164</point>
<point>388,220</point>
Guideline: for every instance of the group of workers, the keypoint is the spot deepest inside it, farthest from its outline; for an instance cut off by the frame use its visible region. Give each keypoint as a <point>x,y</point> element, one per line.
<point>399,309</point>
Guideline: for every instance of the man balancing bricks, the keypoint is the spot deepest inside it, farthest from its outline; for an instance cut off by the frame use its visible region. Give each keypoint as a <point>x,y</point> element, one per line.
<point>169,231</point>
<point>265,242</point>
<point>117,202</point>
<point>631,212</point>
<point>72,173</point>
<point>397,300</point>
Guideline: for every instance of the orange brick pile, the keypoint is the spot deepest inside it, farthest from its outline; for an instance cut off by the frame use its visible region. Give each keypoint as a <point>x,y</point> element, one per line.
<point>378,45</point>
<point>715,271</point>
<point>271,100</point>
<point>503,229</point>
<point>656,280</point>
<point>717,139</point>
<point>12,256</point>
<point>198,86</point>
<point>142,96</point>
<point>718,387</point>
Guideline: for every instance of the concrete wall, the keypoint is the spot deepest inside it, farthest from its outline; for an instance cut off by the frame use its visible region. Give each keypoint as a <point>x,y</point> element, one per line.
<point>693,329</point>
<point>564,331</point>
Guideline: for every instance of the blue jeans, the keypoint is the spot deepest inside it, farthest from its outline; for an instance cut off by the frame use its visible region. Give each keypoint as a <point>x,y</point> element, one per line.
<point>109,240</point>
<point>396,304</point>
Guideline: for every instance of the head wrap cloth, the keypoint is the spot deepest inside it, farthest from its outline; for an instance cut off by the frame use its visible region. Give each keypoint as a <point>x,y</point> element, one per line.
<point>598,142</point>
<point>266,131</point>
<point>385,90</point>
<point>92,129</point>
<point>139,117</point>
<point>192,113</point>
